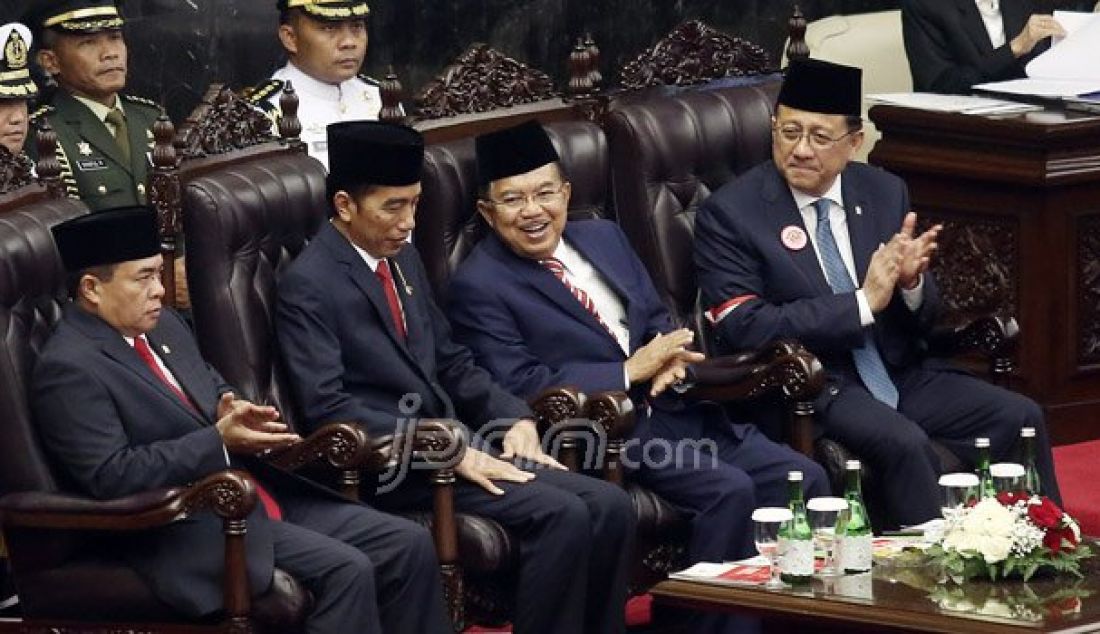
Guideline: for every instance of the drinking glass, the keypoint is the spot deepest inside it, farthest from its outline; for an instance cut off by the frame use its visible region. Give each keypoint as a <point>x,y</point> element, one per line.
<point>824,513</point>
<point>766,523</point>
<point>959,489</point>
<point>1008,477</point>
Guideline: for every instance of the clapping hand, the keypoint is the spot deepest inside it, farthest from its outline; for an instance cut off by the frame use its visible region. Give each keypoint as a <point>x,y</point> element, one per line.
<point>249,428</point>
<point>916,252</point>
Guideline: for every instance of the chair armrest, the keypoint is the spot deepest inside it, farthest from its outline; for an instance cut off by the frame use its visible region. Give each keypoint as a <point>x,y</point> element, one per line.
<point>231,494</point>
<point>557,405</point>
<point>784,366</point>
<point>988,335</point>
<point>614,412</point>
<point>436,442</point>
<point>341,445</point>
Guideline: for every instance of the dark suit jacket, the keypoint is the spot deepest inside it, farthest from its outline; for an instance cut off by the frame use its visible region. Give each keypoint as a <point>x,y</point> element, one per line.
<point>739,253</point>
<point>949,49</point>
<point>344,357</point>
<point>116,430</point>
<point>93,167</point>
<point>532,334</point>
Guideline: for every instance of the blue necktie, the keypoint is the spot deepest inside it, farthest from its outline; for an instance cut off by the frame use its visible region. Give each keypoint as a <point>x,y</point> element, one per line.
<point>867,359</point>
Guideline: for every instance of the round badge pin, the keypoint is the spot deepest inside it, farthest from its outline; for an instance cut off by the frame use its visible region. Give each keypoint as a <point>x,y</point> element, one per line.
<point>794,238</point>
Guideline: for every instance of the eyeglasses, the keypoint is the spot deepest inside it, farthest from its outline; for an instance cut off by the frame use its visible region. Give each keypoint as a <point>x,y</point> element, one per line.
<point>818,140</point>
<point>516,201</point>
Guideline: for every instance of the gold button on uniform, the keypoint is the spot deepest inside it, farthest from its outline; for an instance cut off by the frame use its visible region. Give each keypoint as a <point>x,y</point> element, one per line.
<point>141,189</point>
<point>102,189</point>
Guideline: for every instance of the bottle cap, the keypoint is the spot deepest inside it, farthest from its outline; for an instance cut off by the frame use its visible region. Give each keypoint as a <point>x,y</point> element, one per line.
<point>959,480</point>
<point>981,443</point>
<point>772,514</point>
<point>852,465</point>
<point>827,504</point>
<point>794,476</point>
<point>1006,470</point>
<point>1027,432</point>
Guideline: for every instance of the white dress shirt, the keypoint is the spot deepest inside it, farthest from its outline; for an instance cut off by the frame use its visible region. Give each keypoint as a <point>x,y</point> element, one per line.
<point>838,222</point>
<point>609,305</point>
<point>990,11</point>
<point>321,103</point>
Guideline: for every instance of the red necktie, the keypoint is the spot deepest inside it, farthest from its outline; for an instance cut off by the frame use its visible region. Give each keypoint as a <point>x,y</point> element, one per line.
<point>555,266</point>
<point>146,354</point>
<point>386,278</point>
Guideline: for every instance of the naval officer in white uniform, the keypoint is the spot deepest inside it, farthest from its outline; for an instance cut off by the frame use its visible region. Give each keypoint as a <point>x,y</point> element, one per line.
<point>326,42</point>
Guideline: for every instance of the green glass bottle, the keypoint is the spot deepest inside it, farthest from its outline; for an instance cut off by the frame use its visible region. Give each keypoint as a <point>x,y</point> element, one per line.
<point>986,487</point>
<point>855,528</point>
<point>796,538</point>
<point>1032,483</point>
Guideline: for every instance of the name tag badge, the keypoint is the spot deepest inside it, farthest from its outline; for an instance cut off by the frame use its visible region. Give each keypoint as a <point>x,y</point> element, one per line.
<point>91,165</point>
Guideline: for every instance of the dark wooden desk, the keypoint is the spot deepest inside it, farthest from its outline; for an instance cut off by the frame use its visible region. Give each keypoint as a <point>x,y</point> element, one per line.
<point>905,599</point>
<point>1020,198</point>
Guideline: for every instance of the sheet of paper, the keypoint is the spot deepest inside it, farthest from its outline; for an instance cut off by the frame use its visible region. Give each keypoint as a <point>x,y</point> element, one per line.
<point>1075,56</point>
<point>1071,21</point>
<point>1036,87</point>
<point>951,103</point>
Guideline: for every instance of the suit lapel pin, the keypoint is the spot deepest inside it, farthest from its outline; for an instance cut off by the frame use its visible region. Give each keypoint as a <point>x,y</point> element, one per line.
<point>793,237</point>
<point>165,349</point>
<point>859,210</point>
<point>84,148</point>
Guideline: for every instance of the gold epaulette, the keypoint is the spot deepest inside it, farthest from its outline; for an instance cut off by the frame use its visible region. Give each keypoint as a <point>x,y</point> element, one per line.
<point>369,80</point>
<point>41,112</point>
<point>259,93</point>
<point>141,100</point>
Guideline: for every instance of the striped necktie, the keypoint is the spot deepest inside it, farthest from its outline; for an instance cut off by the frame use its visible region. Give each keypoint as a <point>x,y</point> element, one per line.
<point>868,362</point>
<point>556,267</point>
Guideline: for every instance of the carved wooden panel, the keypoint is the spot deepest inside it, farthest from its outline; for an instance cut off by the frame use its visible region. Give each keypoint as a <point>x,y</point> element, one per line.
<point>1088,289</point>
<point>976,266</point>
<point>15,170</point>
<point>482,79</point>
<point>229,123</point>
<point>694,53</point>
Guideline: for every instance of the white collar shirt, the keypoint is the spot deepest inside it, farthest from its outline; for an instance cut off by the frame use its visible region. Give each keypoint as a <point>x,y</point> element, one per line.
<point>321,103</point>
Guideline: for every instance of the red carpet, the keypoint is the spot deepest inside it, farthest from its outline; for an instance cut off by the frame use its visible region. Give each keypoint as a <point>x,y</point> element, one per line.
<point>638,612</point>
<point>1076,467</point>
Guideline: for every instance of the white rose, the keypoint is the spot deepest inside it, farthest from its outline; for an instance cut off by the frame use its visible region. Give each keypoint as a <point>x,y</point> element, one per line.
<point>995,549</point>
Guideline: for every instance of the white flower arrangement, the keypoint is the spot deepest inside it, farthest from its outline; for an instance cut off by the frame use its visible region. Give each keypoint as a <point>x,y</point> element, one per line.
<point>1012,534</point>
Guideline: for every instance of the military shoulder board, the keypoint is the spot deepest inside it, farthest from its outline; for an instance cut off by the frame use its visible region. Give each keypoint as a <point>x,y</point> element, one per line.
<point>370,80</point>
<point>261,92</point>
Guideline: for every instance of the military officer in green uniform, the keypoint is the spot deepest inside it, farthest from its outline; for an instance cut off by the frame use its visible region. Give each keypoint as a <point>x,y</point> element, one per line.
<point>104,137</point>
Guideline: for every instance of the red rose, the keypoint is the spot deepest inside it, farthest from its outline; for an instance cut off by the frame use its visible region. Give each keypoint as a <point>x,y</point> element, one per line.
<point>1046,514</point>
<point>1054,539</point>
<point>1010,498</point>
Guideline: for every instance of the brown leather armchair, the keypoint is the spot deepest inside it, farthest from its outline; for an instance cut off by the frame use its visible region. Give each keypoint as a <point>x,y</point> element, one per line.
<point>448,228</point>
<point>244,221</point>
<point>668,155</point>
<point>60,541</point>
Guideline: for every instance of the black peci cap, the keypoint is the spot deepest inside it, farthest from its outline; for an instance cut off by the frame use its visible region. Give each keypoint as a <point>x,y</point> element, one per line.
<point>814,85</point>
<point>511,151</point>
<point>107,237</point>
<point>373,153</point>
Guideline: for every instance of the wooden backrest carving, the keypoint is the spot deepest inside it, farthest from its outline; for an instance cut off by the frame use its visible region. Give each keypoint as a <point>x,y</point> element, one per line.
<point>694,53</point>
<point>482,79</point>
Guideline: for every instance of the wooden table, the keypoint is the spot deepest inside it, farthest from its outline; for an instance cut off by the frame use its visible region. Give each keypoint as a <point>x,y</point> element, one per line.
<point>907,599</point>
<point>1020,198</point>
